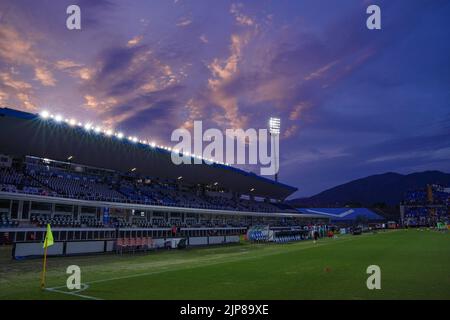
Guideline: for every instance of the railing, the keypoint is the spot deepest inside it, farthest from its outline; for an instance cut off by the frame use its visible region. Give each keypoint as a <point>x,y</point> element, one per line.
<point>130,201</point>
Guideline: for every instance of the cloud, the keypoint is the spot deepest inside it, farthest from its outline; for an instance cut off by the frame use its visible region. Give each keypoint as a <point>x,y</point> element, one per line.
<point>3,97</point>
<point>44,76</point>
<point>184,22</point>
<point>203,38</point>
<point>321,71</point>
<point>129,81</point>
<point>91,101</point>
<point>67,64</point>
<point>223,71</point>
<point>85,73</point>
<point>134,41</point>
<point>157,114</point>
<point>7,80</point>
<point>297,110</point>
<point>15,92</point>
<point>290,131</point>
<point>241,19</point>
<point>75,69</point>
<point>273,80</point>
<point>26,102</point>
<point>17,52</point>
<point>14,48</point>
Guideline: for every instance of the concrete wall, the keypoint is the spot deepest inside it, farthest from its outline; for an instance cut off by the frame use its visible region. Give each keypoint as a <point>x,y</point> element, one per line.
<point>198,241</point>
<point>85,247</point>
<point>232,239</point>
<point>216,240</point>
<point>98,246</point>
<point>35,249</point>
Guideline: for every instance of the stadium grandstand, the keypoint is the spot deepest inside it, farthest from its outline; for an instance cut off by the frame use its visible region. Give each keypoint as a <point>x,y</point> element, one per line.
<point>100,190</point>
<point>426,207</point>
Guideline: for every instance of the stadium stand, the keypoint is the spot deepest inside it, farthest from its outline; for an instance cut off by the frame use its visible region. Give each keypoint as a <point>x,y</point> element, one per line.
<point>426,207</point>
<point>52,181</point>
<point>91,187</point>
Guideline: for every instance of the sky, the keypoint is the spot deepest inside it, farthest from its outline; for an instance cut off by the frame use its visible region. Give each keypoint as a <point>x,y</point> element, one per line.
<point>352,101</point>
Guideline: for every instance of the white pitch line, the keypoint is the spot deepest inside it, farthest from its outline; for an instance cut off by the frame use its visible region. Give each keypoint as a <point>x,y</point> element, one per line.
<point>84,287</point>
<point>74,293</point>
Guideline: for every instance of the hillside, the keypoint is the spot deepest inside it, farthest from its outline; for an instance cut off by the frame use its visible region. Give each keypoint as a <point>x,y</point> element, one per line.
<point>388,188</point>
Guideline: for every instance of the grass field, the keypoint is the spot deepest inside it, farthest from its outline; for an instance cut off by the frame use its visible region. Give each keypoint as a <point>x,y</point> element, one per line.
<point>414,265</point>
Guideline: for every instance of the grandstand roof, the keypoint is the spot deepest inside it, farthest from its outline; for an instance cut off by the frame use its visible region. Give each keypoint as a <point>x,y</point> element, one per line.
<point>23,134</point>
<point>342,214</point>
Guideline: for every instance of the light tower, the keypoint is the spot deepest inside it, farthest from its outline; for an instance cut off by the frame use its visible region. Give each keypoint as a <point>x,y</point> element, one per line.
<point>274,129</point>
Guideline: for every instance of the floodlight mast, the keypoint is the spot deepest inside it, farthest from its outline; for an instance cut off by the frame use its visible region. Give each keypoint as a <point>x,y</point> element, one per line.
<point>274,129</point>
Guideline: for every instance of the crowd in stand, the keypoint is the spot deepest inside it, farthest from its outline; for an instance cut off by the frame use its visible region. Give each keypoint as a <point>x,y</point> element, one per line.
<point>426,207</point>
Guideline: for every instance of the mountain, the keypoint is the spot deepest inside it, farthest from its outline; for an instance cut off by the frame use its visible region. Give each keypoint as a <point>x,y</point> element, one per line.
<point>388,188</point>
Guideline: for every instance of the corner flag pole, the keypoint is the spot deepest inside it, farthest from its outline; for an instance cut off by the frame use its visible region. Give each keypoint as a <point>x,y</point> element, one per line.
<point>44,267</point>
<point>48,241</point>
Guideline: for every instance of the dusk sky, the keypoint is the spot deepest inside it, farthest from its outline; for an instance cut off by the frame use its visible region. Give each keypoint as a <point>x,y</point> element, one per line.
<point>352,101</point>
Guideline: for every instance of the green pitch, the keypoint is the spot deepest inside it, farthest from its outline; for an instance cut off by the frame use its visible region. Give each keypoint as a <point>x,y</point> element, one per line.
<point>414,265</point>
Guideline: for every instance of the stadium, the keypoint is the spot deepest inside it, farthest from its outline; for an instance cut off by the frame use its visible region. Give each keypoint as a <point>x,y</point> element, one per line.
<point>224,160</point>
<point>107,197</point>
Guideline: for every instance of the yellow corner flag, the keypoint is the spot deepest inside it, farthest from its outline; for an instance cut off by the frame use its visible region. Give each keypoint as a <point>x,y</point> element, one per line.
<point>47,243</point>
<point>48,237</point>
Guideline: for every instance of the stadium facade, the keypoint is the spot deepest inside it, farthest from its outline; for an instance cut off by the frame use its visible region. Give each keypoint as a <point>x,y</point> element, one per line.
<point>96,189</point>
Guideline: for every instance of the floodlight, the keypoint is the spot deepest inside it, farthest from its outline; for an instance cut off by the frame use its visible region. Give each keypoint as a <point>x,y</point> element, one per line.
<point>45,114</point>
<point>274,129</point>
<point>274,125</point>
